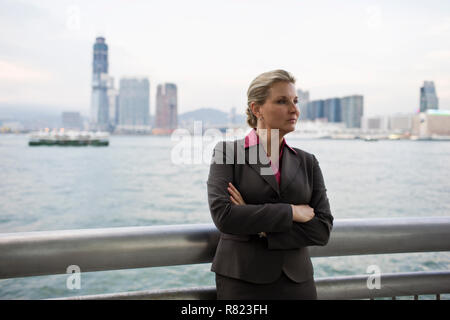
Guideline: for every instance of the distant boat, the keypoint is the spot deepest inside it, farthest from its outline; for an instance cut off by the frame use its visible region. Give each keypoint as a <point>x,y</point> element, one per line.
<point>70,138</point>
<point>370,139</point>
<point>344,136</point>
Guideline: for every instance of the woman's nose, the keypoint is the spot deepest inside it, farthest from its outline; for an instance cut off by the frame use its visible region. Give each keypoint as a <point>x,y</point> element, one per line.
<point>294,108</point>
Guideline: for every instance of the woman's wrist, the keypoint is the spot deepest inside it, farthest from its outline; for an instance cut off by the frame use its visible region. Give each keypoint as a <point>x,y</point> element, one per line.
<point>294,213</point>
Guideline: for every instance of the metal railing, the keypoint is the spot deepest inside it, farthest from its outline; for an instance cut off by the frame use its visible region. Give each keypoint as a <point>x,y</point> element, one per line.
<point>51,252</point>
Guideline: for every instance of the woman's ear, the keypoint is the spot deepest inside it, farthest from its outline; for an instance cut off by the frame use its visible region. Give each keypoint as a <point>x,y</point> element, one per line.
<point>256,109</point>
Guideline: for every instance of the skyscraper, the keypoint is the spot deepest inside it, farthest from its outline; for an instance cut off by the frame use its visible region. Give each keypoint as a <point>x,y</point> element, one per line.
<point>99,98</point>
<point>428,97</point>
<point>332,109</point>
<point>315,110</point>
<point>134,103</point>
<point>166,107</point>
<point>113,103</point>
<point>352,109</point>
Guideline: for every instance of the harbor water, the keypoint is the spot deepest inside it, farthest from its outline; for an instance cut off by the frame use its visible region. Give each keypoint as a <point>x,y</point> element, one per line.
<point>135,182</point>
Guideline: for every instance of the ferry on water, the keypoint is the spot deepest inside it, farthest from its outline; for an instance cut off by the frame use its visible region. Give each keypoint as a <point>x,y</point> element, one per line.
<point>69,138</point>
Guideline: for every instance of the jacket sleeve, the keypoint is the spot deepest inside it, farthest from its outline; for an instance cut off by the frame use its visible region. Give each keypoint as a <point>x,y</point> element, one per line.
<point>240,219</point>
<point>315,232</point>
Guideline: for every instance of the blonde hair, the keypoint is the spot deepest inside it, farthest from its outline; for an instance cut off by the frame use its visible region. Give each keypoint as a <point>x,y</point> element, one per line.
<point>258,91</point>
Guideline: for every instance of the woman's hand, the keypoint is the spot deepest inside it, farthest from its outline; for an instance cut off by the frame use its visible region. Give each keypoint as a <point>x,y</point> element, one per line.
<point>235,197</point>
<point>302,213</point>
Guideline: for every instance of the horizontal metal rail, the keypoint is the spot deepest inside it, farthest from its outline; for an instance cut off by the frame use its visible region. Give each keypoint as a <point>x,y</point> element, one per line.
<point>51,252</point>
<point>335,288</point>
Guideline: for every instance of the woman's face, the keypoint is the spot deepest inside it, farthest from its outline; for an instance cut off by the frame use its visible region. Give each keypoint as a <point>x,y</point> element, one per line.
<point>280,111</point>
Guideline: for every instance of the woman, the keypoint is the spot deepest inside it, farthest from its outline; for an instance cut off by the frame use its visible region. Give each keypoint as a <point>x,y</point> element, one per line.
<point>268,201</point>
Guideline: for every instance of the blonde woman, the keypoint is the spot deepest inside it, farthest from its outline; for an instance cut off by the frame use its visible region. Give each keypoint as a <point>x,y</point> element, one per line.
<point>268,201</point>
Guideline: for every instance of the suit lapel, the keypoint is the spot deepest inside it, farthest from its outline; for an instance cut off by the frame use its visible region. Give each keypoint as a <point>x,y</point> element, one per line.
<point>290,164</point>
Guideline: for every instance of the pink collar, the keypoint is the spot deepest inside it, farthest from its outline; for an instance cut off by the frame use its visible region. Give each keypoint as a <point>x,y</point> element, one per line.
<point>252,139</point>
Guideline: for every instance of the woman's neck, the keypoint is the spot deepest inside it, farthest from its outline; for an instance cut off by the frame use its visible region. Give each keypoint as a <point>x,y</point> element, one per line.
<point>268,135</point>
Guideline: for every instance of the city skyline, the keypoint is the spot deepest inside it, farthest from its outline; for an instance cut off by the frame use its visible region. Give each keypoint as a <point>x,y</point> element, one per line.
<point>356,48</point>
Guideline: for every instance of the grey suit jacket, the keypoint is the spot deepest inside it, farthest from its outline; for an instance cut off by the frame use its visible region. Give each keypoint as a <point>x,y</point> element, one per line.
<point>241,253</point>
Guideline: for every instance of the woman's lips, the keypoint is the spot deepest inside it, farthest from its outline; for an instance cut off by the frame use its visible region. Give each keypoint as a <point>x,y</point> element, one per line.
<point>292,120</point>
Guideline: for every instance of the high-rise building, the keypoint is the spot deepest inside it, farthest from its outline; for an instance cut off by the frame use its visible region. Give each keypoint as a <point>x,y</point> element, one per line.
<point>166,107</point>
<point>352,109</point>
<point>99,98</point>
<point>134,104</point>
<point>303,100</point>
<point>428,97</point>
<point>332,109</point>
<point>315,110</point>
<point>113,103</point>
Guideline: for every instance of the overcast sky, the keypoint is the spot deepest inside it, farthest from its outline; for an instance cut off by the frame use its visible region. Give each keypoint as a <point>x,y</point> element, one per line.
<point>212,50</point>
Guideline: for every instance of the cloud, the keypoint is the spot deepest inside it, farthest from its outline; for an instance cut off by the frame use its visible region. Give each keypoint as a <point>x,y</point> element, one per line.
<point>439,55</point>
<point>439,28</point>
<point>19,73</point>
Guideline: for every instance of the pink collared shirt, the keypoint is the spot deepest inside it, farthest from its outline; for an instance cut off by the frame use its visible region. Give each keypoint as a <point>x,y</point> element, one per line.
<point>253,139</point>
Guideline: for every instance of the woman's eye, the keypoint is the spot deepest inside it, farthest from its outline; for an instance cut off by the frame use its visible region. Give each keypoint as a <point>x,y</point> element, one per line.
<point>284,101</point>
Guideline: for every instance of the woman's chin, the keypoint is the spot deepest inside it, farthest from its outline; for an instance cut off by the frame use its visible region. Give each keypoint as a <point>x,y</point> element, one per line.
<point>290,128</point>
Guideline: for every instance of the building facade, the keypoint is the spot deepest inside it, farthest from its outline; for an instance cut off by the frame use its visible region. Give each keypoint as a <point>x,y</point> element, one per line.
<point>401,123</point>
<point>332,109</point>
<point>352,110</point>
<point>166,117</point>
<point>428,97</point>
<point>431,122</point>
<point>134,104</point>
<point>99,118</point>
<point>113,103</point>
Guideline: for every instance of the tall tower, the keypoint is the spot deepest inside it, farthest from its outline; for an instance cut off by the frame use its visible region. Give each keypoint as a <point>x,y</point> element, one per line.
<point>428,97</point>
<point>166,107</point>
<point>100,81</point>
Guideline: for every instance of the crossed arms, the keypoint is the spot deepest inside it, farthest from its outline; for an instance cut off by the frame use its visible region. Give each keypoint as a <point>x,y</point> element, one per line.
<point>277,220</point>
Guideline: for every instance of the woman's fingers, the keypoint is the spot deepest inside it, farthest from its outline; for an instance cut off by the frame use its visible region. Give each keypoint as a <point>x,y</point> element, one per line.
<point>233,187</point>
<point>233,193</point>
<point>233,200</point>
<point>236,197</point>
<point>234,190</point>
